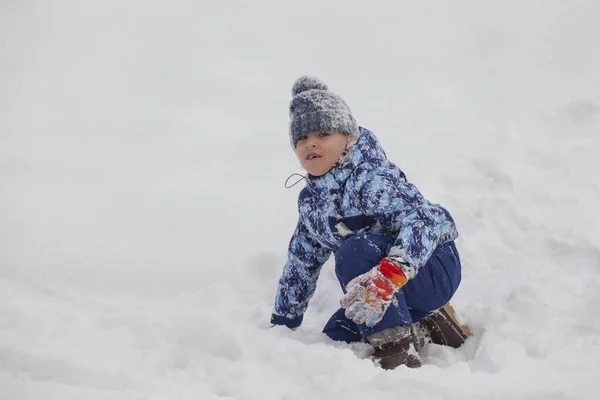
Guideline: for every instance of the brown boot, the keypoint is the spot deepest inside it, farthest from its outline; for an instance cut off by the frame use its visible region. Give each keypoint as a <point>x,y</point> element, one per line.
<point>395,347</point>
<point>441,327</point>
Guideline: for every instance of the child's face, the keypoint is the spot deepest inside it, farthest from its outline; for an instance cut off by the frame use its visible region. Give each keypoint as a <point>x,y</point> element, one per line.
<point>319,151</point>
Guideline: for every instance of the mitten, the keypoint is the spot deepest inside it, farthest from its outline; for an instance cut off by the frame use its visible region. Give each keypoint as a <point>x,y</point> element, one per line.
<point>369,295</point>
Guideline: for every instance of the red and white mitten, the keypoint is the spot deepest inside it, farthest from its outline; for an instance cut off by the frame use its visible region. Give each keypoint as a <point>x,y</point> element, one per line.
<point>369,295</point>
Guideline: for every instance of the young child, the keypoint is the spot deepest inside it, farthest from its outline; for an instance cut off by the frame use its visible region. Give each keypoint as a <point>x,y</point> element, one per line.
<point>394,251</point>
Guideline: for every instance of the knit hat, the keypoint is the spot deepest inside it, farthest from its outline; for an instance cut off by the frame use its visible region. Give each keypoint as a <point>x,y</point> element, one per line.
<point>315,109</point>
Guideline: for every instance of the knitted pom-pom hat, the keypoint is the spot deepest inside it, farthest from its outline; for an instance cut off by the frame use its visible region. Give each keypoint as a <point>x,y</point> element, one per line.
<point>315,109</point>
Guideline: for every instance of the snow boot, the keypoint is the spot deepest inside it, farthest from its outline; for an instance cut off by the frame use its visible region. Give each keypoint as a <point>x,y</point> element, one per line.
<point>395,347</point>
<point>441,327</point>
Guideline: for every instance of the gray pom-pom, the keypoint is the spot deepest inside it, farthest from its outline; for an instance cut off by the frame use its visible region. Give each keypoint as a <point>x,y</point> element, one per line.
<point>306,82</point>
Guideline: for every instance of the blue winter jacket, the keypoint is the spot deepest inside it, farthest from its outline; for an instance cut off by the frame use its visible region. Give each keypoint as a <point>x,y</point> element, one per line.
<point>363,192</point>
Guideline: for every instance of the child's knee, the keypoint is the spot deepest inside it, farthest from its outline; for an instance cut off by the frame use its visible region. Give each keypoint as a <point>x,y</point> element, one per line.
<point>363,246</point>
<point>358,254</point>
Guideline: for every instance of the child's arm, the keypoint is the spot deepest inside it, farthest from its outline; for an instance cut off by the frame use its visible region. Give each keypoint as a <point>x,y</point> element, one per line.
<point>382,191</point>
<point>299,279</point>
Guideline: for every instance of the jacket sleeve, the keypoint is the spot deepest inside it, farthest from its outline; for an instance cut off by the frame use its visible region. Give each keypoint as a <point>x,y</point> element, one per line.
<point>382,192</point>
<point>299,279</point>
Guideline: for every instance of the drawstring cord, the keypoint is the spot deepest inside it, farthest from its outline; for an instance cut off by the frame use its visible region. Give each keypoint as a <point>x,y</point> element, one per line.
<point>295,183</point>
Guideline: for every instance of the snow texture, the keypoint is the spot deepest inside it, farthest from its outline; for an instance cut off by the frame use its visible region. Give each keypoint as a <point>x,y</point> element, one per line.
<point>144,223</point>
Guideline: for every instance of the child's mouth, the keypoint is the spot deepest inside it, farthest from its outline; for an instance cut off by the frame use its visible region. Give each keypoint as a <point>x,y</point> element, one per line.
<point>312,156</point>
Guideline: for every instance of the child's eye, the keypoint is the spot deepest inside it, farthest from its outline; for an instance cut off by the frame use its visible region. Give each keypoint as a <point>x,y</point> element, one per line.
<point>303,137</point>
<point>323,134</point>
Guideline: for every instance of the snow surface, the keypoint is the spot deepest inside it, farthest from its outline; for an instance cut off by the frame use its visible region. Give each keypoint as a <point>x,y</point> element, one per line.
<point>144,222</point>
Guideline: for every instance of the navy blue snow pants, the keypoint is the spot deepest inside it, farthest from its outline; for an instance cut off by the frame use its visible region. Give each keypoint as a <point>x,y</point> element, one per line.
<point>432,287</point>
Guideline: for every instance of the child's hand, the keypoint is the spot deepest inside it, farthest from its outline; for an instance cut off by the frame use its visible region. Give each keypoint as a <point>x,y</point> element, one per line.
<point>369,295</point>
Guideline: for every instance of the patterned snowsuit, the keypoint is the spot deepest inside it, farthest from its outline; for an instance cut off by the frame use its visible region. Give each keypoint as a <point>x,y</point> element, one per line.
<point>366,200</point>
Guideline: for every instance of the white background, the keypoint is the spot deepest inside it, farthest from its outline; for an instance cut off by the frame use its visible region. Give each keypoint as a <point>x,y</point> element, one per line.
<point>144,222</point>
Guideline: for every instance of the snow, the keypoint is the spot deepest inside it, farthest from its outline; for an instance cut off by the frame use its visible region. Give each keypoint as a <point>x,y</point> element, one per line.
<point>144,221</point>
